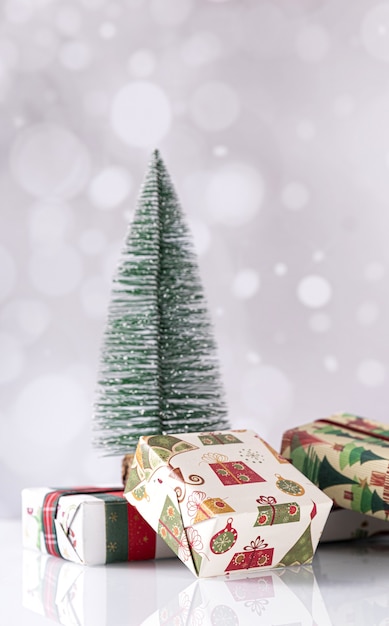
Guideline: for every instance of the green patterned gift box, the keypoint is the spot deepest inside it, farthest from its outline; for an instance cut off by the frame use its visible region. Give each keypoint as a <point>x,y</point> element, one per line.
<point>88,525</point>
<point>347,457</point>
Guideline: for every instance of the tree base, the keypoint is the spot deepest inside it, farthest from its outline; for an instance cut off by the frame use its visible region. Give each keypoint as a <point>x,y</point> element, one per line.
<point>126,464</point>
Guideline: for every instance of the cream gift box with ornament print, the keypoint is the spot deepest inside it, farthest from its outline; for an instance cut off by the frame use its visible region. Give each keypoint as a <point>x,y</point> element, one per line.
<point>226,502</point>
<point>87,525</point>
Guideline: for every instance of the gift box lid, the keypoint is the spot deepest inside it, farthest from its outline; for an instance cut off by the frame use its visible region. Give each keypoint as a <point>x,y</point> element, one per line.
<point>220,501</point>
<point>347,457</point>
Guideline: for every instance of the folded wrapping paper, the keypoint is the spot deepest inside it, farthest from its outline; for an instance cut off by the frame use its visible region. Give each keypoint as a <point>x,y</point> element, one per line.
<point>273,598</point>
<point>347,457</point>
<point>88,525</point>
<point>222,501</point>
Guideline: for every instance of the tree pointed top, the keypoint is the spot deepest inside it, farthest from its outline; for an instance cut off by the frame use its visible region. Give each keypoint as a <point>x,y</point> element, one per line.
<point>156,161</point>
<point>159,371</point>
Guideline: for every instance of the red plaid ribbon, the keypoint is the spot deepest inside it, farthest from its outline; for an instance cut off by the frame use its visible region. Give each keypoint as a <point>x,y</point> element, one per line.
<point>49,511</point>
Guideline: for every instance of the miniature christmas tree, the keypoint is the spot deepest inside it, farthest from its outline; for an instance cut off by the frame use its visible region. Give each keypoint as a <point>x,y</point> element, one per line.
<point>159,370</point>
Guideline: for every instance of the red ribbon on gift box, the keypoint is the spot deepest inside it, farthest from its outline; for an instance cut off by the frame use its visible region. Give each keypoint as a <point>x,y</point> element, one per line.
<point>360,425</point>
<point>49,512</point>
<point>141,537</point>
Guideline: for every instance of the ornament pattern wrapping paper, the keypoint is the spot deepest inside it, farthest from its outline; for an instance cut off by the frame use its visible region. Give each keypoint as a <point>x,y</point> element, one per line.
<point>347,457</point>
<point>173,476</point>
<point>88,525</point>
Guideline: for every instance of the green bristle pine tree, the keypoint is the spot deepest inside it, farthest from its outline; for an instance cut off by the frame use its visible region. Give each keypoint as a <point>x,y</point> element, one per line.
<point>159,371</point>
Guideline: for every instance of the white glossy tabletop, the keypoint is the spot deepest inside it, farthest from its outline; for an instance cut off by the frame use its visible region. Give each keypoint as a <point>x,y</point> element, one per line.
<point>347,585</point>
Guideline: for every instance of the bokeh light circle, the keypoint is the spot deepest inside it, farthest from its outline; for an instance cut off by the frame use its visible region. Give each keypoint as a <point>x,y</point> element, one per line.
<point>7,273</point>
<point>280,269</point>
<point>344,105</point>
<point>93,5</point>
<point>142,63</point>
<point>314,291</point>
<point>320,322</point>
<point>318,256</point>
<point>295,196</point>
<point>215,106</point>
<point>48,160</point>
<point>371,373</point>
<point>141,114</point>
<point>68,20</point>
<point>201,48</point>
<point>375,31</point>
<point>234,194</point>
<point>312,43</point>
<point>38,51</point>
<point>18,11</point>
<point>75,55</point>
<point>94,297</point>
<point>374,271</point>
<point>306,130</point>
<point>9,53</point>
<point>171,12</point>
<point>27,318</point>
<point>56,272</point>
<point>331,363</point>
<point>92,241</point>
<point>107,30</point>
<point>96,103</point>
<point>201,235</point>
<point>49,222</point>
<point>12,358</point>
<point>246,283</point>
<point>52,404</point>
<point>110,187</point>
<point>220,151</point>
<point>367,313</point>
<point>267,391</point>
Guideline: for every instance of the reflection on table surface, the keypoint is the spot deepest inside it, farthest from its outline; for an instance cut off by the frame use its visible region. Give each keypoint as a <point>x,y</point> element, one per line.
<point>353,578</point>
<point>348,585</point>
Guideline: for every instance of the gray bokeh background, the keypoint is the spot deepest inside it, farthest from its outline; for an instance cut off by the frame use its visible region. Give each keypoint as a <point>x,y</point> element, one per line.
<point>273,120</point>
